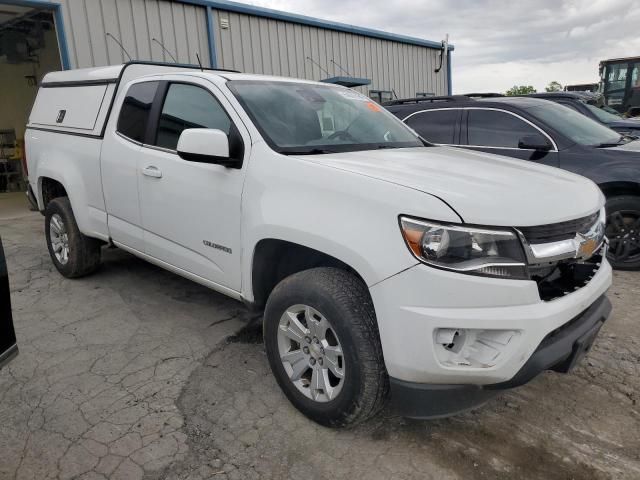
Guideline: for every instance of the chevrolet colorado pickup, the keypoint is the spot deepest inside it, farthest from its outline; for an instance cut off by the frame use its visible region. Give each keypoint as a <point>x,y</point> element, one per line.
<point>386,267</point>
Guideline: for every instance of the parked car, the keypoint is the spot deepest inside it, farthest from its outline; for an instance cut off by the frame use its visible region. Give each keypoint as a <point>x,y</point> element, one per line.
<point>382,263</point>
<point>547,133</point>
<point>588,104</point>
<point>8,347</point>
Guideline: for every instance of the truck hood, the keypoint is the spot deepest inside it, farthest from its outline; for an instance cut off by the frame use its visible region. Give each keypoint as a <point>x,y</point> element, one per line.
<point>482,188</point>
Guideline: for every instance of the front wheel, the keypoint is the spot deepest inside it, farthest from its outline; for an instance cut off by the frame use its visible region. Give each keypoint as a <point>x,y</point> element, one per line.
<point>323,346</point>
<point>623,232</point>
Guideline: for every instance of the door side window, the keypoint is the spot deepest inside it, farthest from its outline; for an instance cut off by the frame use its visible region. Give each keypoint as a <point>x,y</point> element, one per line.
<point>490,128</point>
<point>134,114</point>
<point>188,106</point>
<point>436,126</point>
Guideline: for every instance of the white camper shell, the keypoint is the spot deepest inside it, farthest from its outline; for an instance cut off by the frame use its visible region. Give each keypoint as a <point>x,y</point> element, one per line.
<point>79,101</point>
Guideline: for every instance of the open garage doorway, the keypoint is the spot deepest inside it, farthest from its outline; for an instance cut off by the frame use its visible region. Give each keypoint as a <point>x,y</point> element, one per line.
<point>28,50</point>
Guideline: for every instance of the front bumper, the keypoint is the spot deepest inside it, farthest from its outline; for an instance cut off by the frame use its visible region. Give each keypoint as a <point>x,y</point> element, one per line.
<point>560,351</point>
<point>412,306</point>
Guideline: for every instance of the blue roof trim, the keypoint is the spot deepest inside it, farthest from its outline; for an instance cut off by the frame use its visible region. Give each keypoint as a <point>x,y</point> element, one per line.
<point>348,81</point>
<point>314,22</point>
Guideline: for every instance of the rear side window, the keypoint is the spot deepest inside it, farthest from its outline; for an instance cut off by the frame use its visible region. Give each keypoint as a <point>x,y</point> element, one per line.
<point>490,128</point>
<point>134,114</point>
<point>188,106</point>
<point>571,105</point>
<point>436,126</point>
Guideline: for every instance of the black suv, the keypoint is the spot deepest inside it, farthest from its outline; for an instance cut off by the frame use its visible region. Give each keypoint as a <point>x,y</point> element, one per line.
<point>8,348</point>
<point>589,104</point>
<point>544,132</point>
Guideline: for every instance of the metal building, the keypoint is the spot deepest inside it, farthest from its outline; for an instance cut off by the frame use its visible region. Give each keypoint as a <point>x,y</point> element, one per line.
<point>38,36</point>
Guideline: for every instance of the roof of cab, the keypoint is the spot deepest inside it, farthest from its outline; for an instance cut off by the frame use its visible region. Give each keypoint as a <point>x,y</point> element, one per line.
<point>270,78</point>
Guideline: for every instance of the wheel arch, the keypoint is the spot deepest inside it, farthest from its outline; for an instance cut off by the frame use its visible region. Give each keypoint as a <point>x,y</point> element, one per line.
<point>48,189</point>
<point>275,259</point>
<point>614,189</point>
<point>68,182</point>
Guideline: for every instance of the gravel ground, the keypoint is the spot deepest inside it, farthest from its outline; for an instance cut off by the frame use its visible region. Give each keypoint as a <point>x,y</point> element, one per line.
<point>132,373</point>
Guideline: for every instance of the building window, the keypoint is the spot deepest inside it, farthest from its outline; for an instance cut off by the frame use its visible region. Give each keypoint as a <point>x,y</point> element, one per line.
<point>381,96</point>
<point>425,94</point>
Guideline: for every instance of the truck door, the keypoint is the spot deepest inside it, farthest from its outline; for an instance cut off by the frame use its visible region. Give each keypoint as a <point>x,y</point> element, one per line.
<point>120,159</point>
<point>500,131</point>
<point>191,211</point>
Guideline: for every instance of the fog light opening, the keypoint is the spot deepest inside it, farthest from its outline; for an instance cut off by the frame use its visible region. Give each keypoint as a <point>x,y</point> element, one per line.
<point>451,339</point>
<point>464,347</point>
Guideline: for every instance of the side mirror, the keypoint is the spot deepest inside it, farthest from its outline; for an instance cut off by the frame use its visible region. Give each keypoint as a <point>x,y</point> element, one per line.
<point>206,145</point>
<point>534,142</point>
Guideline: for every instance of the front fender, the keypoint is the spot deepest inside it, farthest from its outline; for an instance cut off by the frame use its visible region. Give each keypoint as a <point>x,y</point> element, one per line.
<point>348,216</point>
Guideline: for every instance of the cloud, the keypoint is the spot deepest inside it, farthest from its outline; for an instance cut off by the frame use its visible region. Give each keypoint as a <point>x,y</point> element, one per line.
<point>500,43</point>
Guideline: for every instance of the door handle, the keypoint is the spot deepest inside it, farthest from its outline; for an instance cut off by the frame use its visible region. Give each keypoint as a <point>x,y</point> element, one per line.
<point>152,171</point>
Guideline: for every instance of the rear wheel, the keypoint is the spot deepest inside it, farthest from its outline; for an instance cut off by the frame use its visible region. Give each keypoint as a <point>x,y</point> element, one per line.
<point>623,232</point>
<point>323,346</point>
<point>73,254</point>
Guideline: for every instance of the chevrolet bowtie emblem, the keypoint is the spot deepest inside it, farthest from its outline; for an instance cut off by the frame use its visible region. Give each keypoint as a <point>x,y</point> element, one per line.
<point>586,245</point>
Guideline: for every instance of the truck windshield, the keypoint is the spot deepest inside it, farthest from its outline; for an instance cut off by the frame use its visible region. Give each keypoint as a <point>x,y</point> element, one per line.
<point>574,125</point>
<point>303,118</point>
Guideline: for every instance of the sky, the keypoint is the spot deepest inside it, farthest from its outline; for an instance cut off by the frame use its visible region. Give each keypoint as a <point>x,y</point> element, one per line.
<point>499,44</point>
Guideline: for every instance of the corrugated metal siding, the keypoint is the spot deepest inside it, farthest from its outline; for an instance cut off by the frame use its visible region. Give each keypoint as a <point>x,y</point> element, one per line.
<point>180,27</point>
<point>263,45</point>
<point>251,44</point>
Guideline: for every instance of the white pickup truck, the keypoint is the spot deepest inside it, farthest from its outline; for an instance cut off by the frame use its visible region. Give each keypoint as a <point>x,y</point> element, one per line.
<point>386,267</point>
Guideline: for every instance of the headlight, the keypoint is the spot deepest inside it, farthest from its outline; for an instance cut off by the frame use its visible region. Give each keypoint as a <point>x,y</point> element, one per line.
<point>473,250</point>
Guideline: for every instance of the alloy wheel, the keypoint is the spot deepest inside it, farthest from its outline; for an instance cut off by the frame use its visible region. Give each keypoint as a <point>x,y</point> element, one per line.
<point>59,239</point>
<point>623,232</point>
<point>311,353</point>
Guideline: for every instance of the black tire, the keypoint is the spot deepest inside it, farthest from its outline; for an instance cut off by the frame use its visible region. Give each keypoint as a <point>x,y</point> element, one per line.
<point>345,301</point>
<point>84,252</point>
<point>623,232</point>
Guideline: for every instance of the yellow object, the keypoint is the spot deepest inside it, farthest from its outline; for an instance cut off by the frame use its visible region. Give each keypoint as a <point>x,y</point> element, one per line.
<point>17,150</point>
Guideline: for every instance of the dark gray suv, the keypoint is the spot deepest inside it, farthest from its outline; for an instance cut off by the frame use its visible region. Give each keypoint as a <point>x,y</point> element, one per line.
<point>588,104</point>
<point>546,132</point>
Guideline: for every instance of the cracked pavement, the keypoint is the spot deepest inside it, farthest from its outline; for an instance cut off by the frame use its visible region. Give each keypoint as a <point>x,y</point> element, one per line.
<point>102,362</point>
<point>126,374</point>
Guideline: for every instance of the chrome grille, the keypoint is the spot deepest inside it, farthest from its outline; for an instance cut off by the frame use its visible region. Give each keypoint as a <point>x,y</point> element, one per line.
<point>555,232</point>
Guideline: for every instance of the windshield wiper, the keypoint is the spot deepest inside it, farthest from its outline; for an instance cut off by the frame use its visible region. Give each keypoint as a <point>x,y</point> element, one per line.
<point>309,151</point>
<point>621,141</point>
